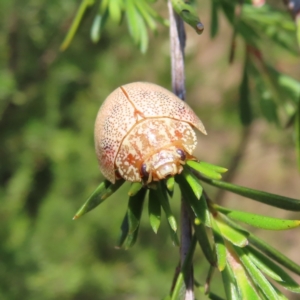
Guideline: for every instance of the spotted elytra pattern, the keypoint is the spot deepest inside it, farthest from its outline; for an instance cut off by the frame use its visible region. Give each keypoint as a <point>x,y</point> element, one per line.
<point>141,131</point>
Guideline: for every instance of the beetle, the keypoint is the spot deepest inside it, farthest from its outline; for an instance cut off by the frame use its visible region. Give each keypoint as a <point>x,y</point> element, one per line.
<point>143,132</point>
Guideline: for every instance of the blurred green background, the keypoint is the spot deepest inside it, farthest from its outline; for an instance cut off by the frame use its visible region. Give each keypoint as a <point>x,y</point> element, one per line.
<point>48,104</point>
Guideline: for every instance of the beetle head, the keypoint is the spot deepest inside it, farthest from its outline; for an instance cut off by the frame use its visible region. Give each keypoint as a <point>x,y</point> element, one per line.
<point>166,162</point>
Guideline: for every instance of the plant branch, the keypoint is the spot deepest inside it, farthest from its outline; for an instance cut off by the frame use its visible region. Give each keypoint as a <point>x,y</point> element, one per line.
<point>177,44</point>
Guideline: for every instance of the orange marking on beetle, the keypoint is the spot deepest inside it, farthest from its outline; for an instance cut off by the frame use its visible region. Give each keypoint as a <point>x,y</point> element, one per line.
<point>136,111</point>
<point>130,158</point>
<point>178,134</point>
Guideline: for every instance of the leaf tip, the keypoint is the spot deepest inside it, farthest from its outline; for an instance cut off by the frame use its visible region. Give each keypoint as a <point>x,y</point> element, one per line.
<point>197,221</point>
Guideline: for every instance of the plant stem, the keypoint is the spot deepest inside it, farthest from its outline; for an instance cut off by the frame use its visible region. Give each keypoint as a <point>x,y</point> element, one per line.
<point>177,44</point>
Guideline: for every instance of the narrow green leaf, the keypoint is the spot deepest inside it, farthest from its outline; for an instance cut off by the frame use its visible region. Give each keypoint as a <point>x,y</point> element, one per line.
<point>238,273</point>
<point>124,231</point>
<point>274,254</point>
<point>264,197</point>
<point>230,284</point>
<point>115,10</point>
<point>173,235</point>
<point>259,221</point>
<point>280,296</point>
<point>144,11</point>
<point>255,274</point>
<point>188,14</point>
<point>162,196</point>
<point>204,243</point>
<point>154,211</point>
<point>199,207</point>
<point>179,289</point>
<point>103,6</point>
<point>133,21</point>
<point>214,24</point>
<point>271,269</point>
<point>102,192</point>
<point>96,29</point>
<point>244,98</point>
<point>287,86</point>
<point>170,183</point>
<point>144,39</point>
<point>206,169</point>
<point>231,234</point>
<point>268,106</point>
<point>134,210</point>
<point>75,24</point>
<point>271,24</point>
<point>219,245</point>
<point>193,182</point>
<point>233,224</point>
<point>213,167</point>
<point>131,239</point>
<point>134,188</point>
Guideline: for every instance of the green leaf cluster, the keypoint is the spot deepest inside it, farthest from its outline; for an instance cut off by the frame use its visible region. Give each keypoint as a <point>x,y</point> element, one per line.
<point>264,90</point>
<point>245,262</point>
<point>140,17</point>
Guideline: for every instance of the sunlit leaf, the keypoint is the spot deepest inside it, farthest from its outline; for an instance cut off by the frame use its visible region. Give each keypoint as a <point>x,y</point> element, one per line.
<point>207,169</point>
<point>237,273</point>
<point>259,221</point>
<point>236,237</point>
<point>170,184</point>
<point>255,274</point>
<point>193,182</point>
<point>115,10</point>
<point>230,284</point>
<point>134,188</point>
